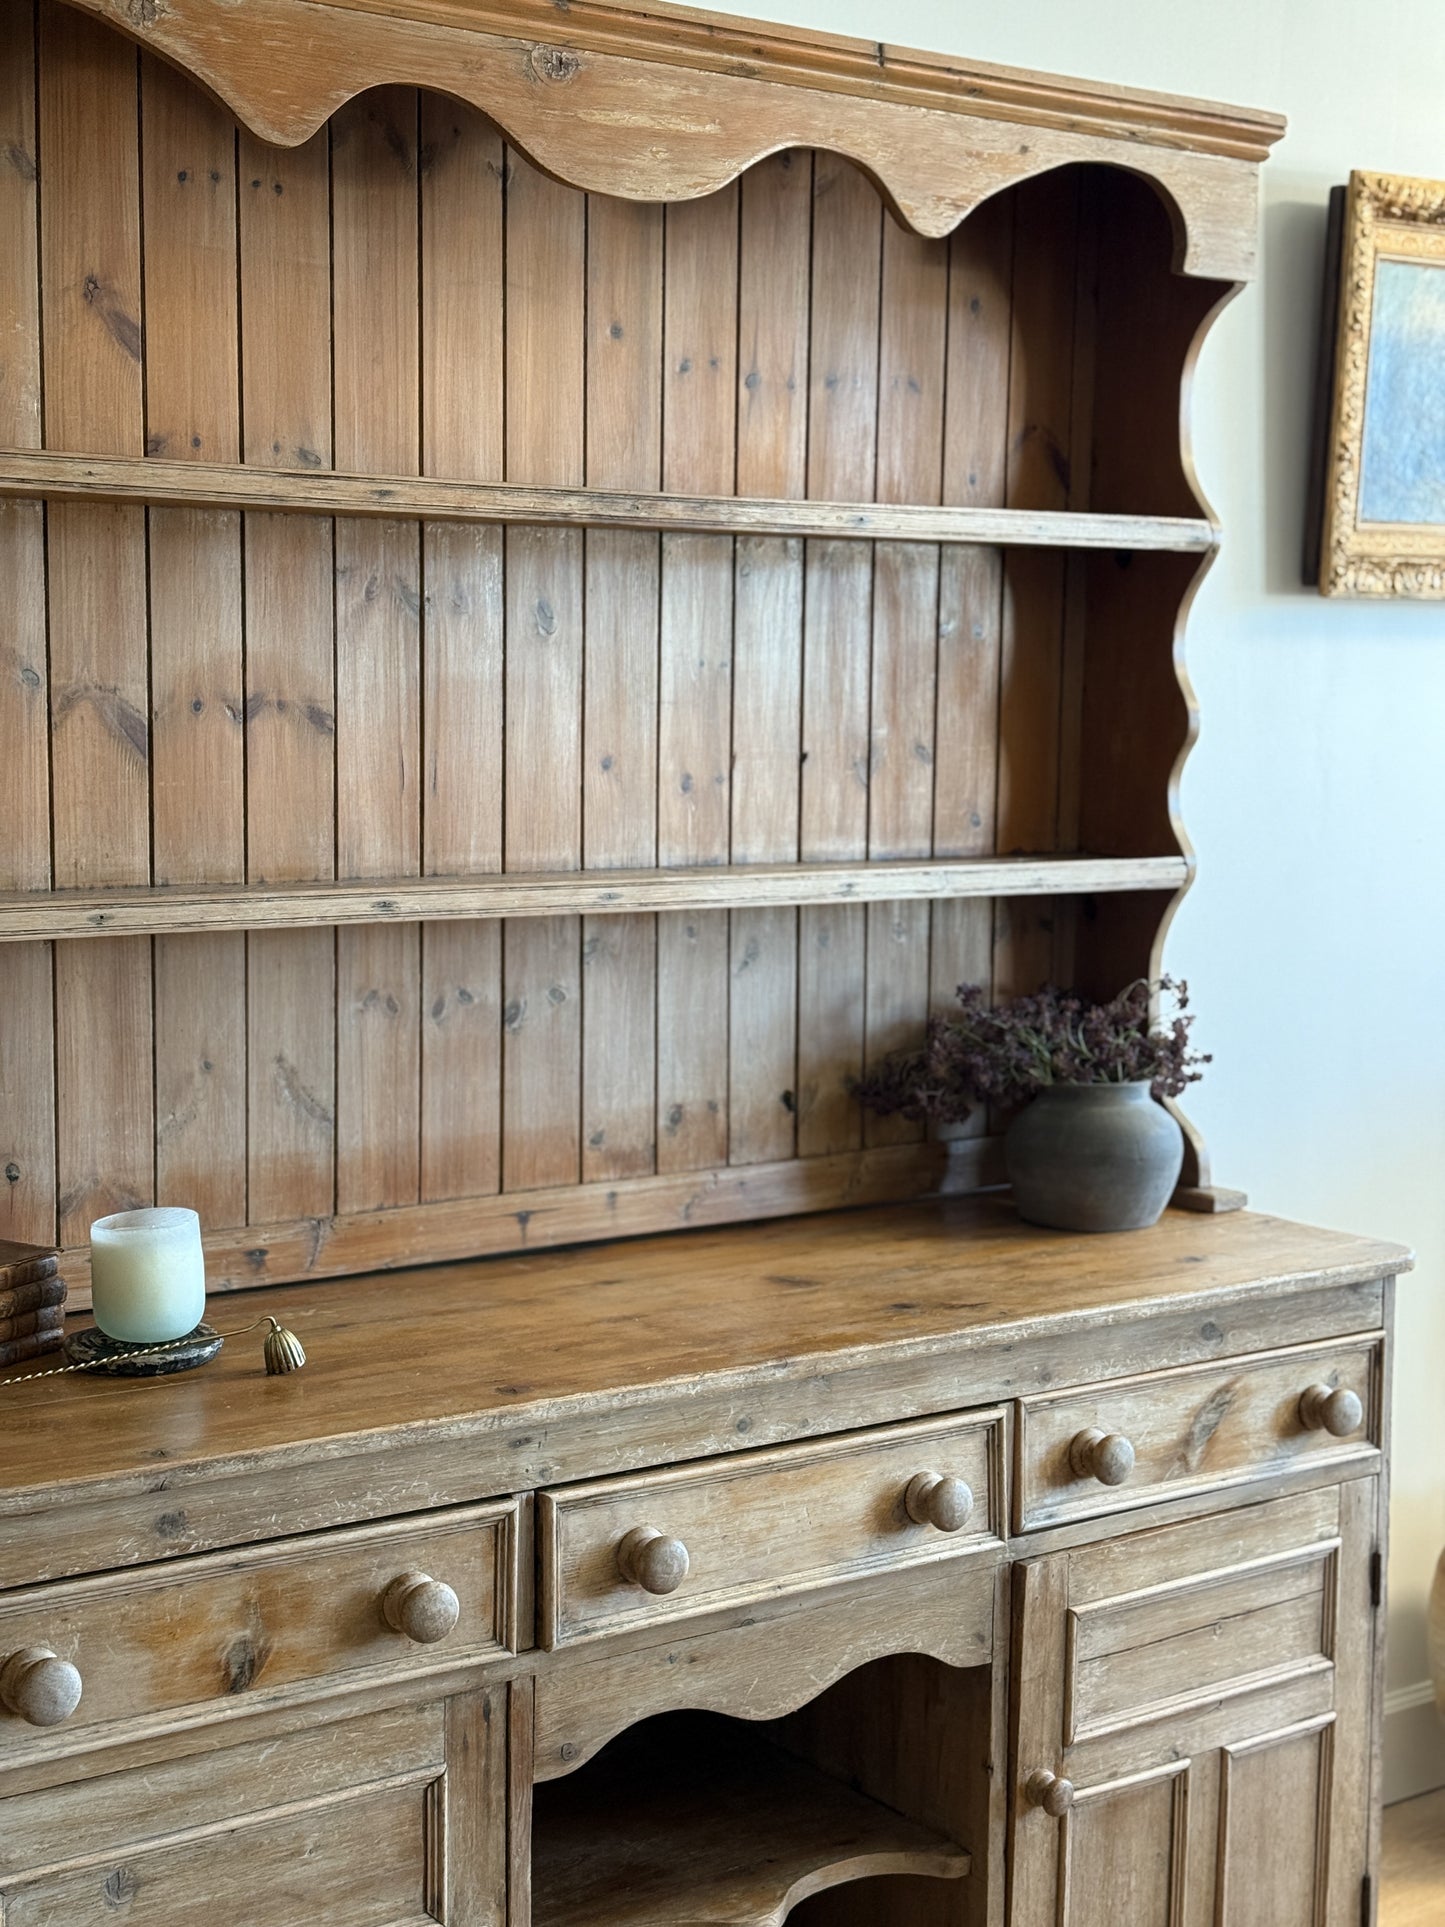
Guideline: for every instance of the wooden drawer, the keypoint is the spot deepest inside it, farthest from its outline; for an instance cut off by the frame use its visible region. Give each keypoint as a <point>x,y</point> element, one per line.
<point>336,1823</point>
<point>762,1524</point>
<point>296,1615</point>
<point>1189,1431</point>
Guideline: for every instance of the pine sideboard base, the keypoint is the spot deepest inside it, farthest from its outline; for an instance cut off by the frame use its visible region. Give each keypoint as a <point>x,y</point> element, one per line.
<point>897,1566</point>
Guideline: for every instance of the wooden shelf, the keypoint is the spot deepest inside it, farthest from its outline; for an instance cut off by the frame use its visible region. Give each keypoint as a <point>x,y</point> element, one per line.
<point>159,910</point>
<point>710,1824</point>
<point>37,475</point>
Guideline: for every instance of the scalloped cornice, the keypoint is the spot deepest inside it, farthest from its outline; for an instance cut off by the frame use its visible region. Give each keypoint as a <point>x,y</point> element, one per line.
<point>668,104</point>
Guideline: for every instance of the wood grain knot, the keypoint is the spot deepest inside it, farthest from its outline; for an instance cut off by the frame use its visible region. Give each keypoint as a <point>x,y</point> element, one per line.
<point>244,1662</point>
<point>22,160</point>
<point>121,1887</point>
<point>554,64</point>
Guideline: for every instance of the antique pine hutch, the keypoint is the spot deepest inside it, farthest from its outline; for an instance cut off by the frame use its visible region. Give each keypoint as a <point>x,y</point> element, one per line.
<point>570,571</point>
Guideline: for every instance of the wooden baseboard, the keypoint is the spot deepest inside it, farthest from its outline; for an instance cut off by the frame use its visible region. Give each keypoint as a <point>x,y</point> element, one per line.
<point>1414,1743</point>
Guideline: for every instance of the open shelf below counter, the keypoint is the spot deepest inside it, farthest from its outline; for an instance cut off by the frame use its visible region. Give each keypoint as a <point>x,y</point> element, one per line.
<point>37,474</point>
<point>697,1819</point>
<point>158,910</point>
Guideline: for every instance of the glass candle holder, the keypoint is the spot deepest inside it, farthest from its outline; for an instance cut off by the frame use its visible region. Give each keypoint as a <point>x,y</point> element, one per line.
<point>147,1274</point>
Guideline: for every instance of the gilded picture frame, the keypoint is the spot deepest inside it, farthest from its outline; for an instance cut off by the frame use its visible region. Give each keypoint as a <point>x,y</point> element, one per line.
<point>1383,506</point>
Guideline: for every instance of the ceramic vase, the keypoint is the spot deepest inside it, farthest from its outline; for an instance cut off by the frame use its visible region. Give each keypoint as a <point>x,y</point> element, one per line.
<point>1093,1157</point>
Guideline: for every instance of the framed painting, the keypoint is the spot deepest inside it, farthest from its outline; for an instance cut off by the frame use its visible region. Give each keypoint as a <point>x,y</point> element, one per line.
<point>1380,482</point>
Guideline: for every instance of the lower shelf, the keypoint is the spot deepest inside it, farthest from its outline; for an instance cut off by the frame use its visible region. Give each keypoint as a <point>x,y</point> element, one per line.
<point>696,1821</point>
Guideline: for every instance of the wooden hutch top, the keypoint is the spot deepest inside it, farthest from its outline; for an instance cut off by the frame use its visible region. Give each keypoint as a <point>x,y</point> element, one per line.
<point>551,631</point>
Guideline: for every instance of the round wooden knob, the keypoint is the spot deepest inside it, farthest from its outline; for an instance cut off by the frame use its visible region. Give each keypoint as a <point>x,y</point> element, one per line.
<point>1105,1456</point>
<point>648,1558</point>
<point>39,1687</point>
<point>1336,1410</point>
<point>422,1608</point>
<point>944,1503</point>
<point>1047,1791</point>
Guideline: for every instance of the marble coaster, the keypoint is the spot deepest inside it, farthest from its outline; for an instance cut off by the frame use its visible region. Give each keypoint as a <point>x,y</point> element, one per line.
<point>117,1358</point>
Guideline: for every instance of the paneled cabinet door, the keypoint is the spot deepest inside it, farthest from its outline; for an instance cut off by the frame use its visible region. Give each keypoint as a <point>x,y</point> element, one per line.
<point>393,1819</point>
<point>1193,1720</point>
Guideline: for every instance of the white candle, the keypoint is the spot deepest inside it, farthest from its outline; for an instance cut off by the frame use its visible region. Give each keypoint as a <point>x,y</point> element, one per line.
<point>147,1274</point>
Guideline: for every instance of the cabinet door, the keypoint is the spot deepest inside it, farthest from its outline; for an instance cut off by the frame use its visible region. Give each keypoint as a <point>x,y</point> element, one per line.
<point>1193,1720</point>
<point>394,1819</point>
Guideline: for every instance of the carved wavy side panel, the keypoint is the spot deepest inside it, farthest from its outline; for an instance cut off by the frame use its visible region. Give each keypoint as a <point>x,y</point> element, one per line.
<point>1196,1174</point>
<point>648,127</point>
<point>1141,714</point>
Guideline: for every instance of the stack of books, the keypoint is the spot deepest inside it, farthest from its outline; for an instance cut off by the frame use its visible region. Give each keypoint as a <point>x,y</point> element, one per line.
<point>32,1302</point>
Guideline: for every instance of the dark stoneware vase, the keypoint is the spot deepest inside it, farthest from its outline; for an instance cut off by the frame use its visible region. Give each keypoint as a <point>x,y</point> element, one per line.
<point>1093,1157</point>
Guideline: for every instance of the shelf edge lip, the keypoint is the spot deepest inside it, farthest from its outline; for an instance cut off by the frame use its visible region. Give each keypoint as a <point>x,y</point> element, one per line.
<point>151,481</point>
<point>157,910</point>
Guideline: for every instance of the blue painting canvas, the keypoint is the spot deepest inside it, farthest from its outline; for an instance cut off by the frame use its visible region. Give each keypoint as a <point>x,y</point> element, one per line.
<point>1402,469</point>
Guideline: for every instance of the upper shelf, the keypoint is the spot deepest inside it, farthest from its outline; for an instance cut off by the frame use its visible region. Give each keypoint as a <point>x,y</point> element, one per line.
<point>35,474</point>
<point>266,906</point>
<point>154,911</point>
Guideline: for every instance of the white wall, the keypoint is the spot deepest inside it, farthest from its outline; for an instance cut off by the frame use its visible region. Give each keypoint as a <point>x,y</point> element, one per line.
<point>1313,941</point>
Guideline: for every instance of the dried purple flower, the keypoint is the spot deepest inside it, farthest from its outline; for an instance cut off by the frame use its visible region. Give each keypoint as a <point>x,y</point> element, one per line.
<point>1007,1054</point>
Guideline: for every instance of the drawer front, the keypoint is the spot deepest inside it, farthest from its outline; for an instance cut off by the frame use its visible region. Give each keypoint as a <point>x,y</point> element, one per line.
<point>225,1628</point>
<point>339,1823</point>
<point>360,1860</point>
<point>1194,1430</point>
<point>763,1524</point>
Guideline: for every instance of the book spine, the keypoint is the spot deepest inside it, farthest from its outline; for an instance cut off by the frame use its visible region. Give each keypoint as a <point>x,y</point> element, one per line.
<point>24,1271</point>
<point>49,1318</point>
<point>17,1350</point>
<point>32,1297</point>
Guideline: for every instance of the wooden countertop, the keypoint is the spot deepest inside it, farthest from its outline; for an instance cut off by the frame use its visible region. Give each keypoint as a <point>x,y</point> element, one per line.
<point>514,1348</point>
